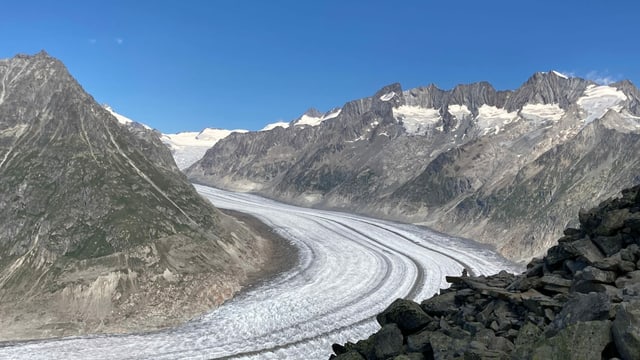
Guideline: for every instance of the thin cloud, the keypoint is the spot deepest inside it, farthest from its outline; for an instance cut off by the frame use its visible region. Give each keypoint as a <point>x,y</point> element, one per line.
<point>119,41</point>
<point>93,41</point>
<point>602,78</point>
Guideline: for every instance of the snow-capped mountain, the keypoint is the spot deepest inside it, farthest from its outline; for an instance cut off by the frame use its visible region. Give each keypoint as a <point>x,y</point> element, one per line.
<point>492,165</point>
<point>189,147</point>
<point>186,147</point>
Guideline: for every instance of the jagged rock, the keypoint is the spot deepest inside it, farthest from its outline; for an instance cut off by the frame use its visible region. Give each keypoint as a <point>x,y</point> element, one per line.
<point>562,307</point>
<point>406,314</point>
<point>626,330</point>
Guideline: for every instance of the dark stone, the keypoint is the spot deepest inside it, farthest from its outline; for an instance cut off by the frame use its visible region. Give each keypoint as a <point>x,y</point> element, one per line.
<point>351,355</point>
<point>612,222</point>
<point>585,250</point>
<point>574,266</point>
<point>420,342</point>
<point>609,245</point>
<point>406,314</point>
<point>573,232</point>
<point>582,307</point>
<point>388,342</point>
<point>630,278</point>
<point>626,330</point>
<point>591,273</point>
<point>440,305</point>
<point>338,349</point>
<point>580,341</point>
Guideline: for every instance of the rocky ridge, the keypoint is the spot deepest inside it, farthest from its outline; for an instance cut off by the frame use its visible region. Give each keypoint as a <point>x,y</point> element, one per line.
<point>99,231</point>
<point>462,161</point>
<point>580,301</point>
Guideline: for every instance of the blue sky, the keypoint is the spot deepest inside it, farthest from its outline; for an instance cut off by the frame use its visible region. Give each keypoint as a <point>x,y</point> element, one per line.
<point>186,65</point>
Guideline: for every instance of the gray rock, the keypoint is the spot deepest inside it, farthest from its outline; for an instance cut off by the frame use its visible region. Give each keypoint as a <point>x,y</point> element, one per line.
<point>351,355</point>
<point>388,342</point>
<point>406,314</point>
<point>579,341</point>
<point>626,330</point>
<point>591,273</point>
<point>581,308</point>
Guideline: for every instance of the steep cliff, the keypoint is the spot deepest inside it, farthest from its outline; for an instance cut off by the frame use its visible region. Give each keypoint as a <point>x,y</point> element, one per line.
<point>99,231</point>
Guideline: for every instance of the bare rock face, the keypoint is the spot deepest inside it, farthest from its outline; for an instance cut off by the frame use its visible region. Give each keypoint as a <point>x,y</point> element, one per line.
<point>508,168</point>
<point>553,310</point>
<point>99,231</point>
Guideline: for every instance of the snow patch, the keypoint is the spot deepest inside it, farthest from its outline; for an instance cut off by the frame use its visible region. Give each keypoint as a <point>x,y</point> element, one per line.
<point>388,96</point>
<point>492,118</point>
<point>541,112</point>
<point>459,111</point>
<point>597,100</point>
<point>415,119</point>
<point>121,118</point>
<point>315,121</point>
<point>559,74</point>
<point>281,124</point>
<point>189,147</point>
<point>332,114</point>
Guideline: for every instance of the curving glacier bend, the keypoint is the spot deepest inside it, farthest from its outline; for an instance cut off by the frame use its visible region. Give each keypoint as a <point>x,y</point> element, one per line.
<point>350,269</point>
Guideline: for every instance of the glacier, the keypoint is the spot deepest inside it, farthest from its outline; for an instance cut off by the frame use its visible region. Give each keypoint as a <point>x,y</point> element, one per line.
<point>349,269</point>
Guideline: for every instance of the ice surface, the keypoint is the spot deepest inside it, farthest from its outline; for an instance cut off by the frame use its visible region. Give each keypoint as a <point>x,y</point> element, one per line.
<point>491,118</point>
<point>350,269</point>
<point>560,74</point>
<point>415,119</point>
<point>315,121</point>
<point>541,112</point>
<point>272,126</point>
<point>459,111</point>
<point>189,147</point>
<point>121,118</point>
<point>597,100</point>
<point>388,96</point>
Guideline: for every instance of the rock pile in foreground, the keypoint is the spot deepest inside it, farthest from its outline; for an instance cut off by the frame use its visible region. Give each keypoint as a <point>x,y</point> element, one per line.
<point>581,301</point>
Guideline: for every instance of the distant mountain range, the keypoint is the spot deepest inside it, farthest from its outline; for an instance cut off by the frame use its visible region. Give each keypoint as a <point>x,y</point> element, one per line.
<point>508,168</point>
<point>99,231</point>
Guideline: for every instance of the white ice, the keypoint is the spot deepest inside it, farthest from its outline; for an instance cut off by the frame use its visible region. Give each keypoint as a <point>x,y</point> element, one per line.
<point>189,147</point>
<point>597,100</point>
<point>349,269</point>
<point>272,126</point>
<point>415,119</point>
<point>492,118</point>
<point>121,118</point>
<point>557,73</point>
<point>388,96</point>
<point>459,111</point>
<point>541,112</point>
<point>315,121</point>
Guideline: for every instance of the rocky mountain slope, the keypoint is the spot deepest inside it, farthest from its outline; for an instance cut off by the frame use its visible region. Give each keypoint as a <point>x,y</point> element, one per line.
<point>470,161</point>
<point>581,301</point>
<point>99,231</point>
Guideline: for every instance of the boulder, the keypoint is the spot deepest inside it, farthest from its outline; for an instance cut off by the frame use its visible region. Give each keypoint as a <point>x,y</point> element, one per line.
<point>581,308</point>
<point>406,314</point>
<point>388,342</point>
<point>594,274</point>
<point>579,341</point>
<point>626,330</point>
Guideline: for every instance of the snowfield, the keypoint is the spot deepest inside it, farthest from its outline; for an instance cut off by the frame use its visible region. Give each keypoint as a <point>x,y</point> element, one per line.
<point>350,269</point>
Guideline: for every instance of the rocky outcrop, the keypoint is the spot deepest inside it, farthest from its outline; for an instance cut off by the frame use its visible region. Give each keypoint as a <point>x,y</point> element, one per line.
<point>580,301</point>
<point>508,168</point>
<point>99,231</point>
